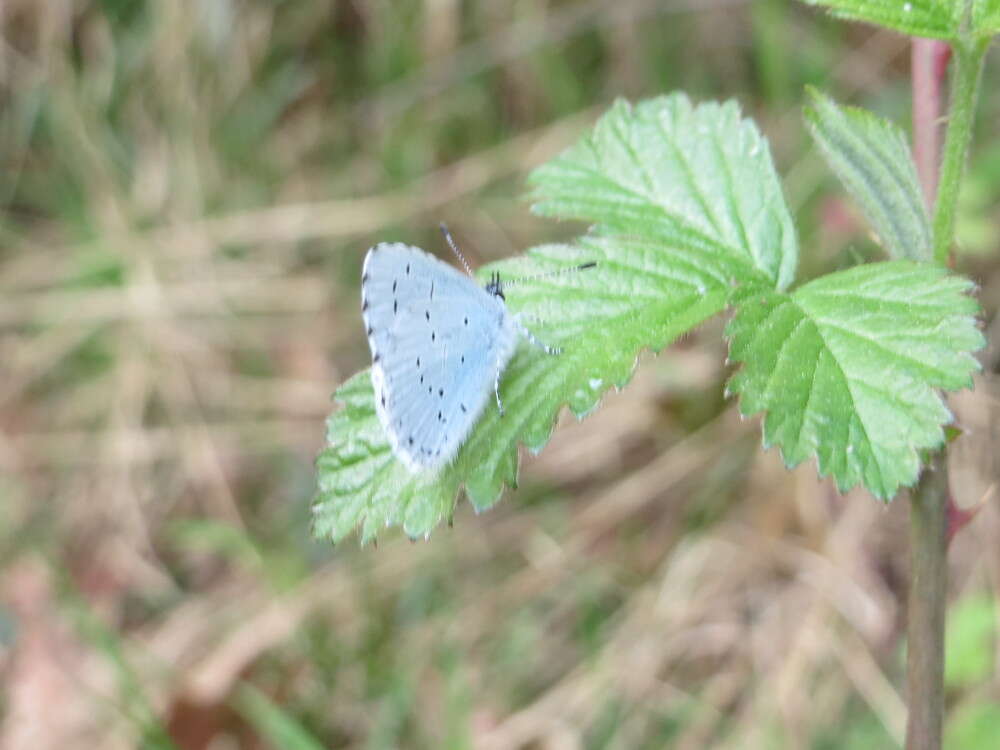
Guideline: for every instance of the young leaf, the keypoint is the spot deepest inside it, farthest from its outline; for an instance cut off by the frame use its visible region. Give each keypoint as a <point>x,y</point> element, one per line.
<point>937,19</point>
<point>686,176</point>
<point>639,296</point>
<point>871,157</point>
<point>846,367</point>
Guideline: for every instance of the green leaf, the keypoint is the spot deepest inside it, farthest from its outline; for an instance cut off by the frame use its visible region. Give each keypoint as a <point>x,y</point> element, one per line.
<point>688,206</point>
<point>937,19</point>
<point>639,296</point>
<point>871,157</point>
<point>696,177</point>
<point>846,367</point>
<point>986,17</point>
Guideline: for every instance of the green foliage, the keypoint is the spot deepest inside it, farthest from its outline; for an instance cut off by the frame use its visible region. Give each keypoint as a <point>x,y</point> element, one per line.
<point>872,158</point>
<point>381,112</point>
<point>697,178</point>
<point>969,642</point>
<point>638,297</point>
<point>688,211</point>
<point>938,19</point>
<point>986,17</point>
<point>846,367</point>
<point>665,173</point>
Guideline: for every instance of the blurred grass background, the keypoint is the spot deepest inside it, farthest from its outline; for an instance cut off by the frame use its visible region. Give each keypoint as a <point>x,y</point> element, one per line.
<point>188,190</point>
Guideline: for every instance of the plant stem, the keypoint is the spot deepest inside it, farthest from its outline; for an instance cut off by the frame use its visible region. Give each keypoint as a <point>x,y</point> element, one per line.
<point>967,62</point>
<point>926,607</point>
<point>928,64</point>
<point>928,518</point>
<point>929,500</point>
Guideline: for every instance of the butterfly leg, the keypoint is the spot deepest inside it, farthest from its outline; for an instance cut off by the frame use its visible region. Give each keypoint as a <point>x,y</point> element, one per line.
<point>496,388</point>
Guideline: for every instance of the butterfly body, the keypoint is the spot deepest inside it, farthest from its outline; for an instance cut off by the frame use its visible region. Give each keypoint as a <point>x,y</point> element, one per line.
<point>439,342</point>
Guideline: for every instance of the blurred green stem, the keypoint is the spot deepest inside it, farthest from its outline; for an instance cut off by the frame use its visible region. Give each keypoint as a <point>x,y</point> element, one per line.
<point>967,67</point>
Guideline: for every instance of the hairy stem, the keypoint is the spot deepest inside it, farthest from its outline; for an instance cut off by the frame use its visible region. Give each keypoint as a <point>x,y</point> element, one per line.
<point>967,66</point>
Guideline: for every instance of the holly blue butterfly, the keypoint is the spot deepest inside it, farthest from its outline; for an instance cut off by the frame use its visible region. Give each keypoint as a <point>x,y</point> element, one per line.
<point>438,341</point>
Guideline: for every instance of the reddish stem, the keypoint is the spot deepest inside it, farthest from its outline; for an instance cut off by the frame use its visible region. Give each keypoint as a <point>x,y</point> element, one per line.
<point>929,61</point>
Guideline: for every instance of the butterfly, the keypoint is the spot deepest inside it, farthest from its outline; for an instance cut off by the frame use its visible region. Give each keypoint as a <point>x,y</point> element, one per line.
<point>439,340</point>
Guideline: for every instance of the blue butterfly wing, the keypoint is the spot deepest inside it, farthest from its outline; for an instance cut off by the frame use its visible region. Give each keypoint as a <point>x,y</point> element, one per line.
<point>438,340</point>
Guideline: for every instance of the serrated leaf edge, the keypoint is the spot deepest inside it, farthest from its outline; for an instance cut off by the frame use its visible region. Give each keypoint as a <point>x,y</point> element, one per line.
<point>916,452</point>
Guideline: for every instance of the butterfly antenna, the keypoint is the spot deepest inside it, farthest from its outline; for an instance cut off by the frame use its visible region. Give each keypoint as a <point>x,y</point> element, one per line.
<point>454,248</point>
<point>547,274</point>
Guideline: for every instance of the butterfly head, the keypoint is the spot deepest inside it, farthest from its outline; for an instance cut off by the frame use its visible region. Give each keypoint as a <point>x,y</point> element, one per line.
<point>495,287</point>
